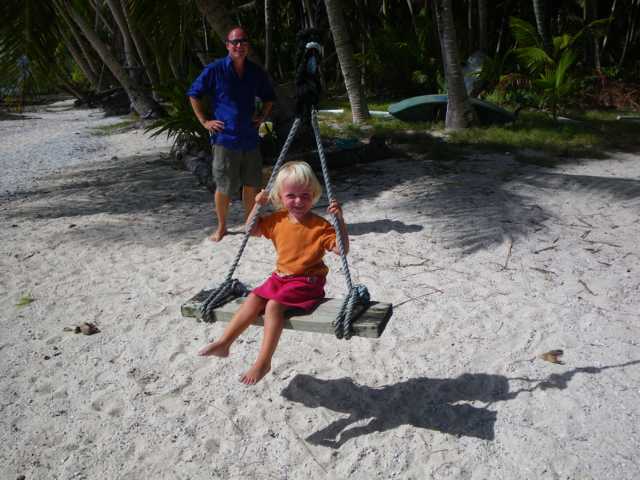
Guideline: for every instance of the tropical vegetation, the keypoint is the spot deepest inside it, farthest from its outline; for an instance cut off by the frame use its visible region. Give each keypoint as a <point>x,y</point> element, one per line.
<point>536,53</point>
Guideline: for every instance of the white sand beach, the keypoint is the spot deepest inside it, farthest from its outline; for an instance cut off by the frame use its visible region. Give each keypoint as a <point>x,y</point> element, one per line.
<point>489,263</point>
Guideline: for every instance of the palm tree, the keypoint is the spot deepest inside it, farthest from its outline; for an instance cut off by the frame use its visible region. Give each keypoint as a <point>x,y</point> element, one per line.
<point>350,70</point>
<point>217,15</point>
<point>540,11</point>
<point>129,50</point>
<point>483,24</point>
<point>141,100</point>
<point>460,113</point>
<point>29,35</point>
<point>148,65</point>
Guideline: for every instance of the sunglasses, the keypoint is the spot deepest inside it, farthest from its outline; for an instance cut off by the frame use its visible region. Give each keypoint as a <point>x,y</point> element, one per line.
<point>238,41</point>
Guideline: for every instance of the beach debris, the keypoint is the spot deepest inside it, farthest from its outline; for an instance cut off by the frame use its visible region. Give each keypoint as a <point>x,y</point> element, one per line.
<point>553,356</point>
<point>543,270</point>
<point>25,300</point>
<point>544,249</point>
<point>506,262</point>
<point>584,284</point>
<point>86,328</point>
<point>615,245</point>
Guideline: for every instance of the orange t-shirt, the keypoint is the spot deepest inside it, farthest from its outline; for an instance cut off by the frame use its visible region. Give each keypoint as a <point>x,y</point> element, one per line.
<point>300,246</point>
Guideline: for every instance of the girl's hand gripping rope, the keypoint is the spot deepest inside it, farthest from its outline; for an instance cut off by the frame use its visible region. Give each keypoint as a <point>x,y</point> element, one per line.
<point>336,210</point>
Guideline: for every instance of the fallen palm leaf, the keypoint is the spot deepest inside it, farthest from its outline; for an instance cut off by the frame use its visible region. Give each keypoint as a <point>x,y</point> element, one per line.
<point>25,300</point>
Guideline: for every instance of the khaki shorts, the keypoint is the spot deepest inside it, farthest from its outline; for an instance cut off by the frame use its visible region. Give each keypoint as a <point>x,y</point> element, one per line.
<point>233,169</point>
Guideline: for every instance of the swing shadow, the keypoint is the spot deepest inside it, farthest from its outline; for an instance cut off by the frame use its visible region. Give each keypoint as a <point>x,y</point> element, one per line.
<point>424,402</point>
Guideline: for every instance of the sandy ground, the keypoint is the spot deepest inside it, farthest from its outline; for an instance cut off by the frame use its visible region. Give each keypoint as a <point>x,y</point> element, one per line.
<point>488,262</point>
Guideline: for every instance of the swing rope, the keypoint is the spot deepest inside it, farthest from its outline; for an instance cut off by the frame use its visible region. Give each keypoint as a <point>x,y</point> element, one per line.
<point>355,293</point>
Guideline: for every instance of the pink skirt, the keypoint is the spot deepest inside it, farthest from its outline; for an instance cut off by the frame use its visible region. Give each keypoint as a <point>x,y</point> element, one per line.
<point>295,291</point>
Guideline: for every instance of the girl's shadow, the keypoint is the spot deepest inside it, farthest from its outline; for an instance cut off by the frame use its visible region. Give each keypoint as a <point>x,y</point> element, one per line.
<point>424,402</point>
<point>421,402</point>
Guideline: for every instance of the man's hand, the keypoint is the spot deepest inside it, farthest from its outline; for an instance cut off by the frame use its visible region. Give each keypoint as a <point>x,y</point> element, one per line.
<point>214,126</point>
<point>257,120</point>
<point>262,197</point>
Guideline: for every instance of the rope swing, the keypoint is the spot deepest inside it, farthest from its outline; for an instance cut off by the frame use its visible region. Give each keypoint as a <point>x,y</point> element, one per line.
<point>331,315</point>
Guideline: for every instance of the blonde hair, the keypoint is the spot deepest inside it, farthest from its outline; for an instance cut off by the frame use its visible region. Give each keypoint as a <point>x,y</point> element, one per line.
<point>298,173</point>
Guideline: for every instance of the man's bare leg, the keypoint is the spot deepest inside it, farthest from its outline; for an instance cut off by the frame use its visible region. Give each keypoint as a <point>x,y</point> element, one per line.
<point>244,317</point>
<point>273,325</point>
<point>222,207</point>
<point>248,199</point>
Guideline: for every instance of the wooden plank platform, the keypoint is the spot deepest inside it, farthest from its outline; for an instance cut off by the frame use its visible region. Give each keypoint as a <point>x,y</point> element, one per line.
<point>369,322</point>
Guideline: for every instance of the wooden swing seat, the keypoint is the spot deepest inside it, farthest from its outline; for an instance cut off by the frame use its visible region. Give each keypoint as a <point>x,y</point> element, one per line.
<point>368,321</point>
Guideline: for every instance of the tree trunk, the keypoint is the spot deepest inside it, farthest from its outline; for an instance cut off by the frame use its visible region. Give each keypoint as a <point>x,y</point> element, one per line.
<point>217,15</point>
<point>460,113</point>
<point>147,63</point>
<point>73,28</point>
<point>129,51</point>
<point>503,25</point>
<point>350,71</point>
<point>630,34</point>
<point>539,9</point>
<point>592,50</point>
<point>267,35</point>
<point>141,101</point>
<point>307,14</point>
<point>483,26</point>
<point>606,36</point>
<point>80,61</point>
<point>472,22</point>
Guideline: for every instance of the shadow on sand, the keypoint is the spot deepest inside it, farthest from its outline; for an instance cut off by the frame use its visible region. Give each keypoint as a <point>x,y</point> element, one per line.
<point>470,204</point>
<point>429,403</point>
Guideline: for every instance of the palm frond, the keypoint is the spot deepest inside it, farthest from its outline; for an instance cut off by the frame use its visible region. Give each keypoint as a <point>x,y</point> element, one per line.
<point>566,60</point>
<point>533,58</point>
<point>524,33</point>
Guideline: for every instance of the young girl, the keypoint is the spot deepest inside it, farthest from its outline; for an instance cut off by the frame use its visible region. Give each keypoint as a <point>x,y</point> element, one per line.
<point>301,239</point>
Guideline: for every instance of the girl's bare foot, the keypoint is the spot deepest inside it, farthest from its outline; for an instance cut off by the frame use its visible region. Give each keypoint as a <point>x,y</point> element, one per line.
<point>218,234</point>
<point>255,374</point>
<point>218,348</point>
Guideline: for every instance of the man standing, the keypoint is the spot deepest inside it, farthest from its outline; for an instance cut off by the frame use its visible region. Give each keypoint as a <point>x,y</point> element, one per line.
<point>233,83</point>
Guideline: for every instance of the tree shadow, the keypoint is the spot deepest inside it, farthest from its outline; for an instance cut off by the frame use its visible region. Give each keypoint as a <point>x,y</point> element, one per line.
<point>467,203</point>
<point>473,203</point>
<point>147,186</point>
<point>434,404</point>
<point>382,226</point>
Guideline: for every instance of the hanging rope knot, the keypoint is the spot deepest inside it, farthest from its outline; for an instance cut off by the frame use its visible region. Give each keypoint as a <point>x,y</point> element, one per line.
<point>358,295</point>
<point>239,289</point>
<point>307,81</point>
<point>362,294</point>
<point>220,295</point>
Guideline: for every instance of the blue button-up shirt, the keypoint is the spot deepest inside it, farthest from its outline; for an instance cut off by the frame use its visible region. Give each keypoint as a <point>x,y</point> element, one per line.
<point>233,100</point>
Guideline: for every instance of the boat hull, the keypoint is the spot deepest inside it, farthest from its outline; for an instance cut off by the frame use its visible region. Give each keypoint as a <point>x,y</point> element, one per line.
<point>433,108</point>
